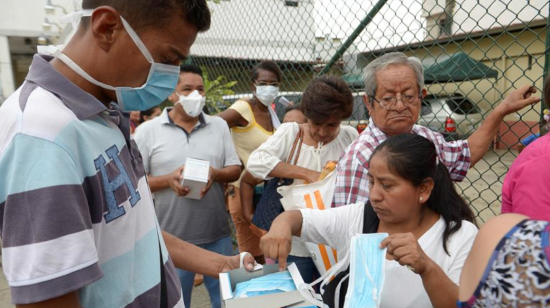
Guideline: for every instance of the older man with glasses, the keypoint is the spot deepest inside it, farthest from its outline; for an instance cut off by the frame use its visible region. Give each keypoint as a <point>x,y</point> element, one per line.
<point>394,87</point>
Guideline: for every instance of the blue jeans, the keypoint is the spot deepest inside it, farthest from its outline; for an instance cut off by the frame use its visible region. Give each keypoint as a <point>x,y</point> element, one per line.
<point>306,267</point>
<point>222,246</point>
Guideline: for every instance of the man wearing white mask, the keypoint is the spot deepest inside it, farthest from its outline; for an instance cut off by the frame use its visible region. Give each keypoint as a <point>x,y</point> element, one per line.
<point>79,228</point>
<point>165,143</point>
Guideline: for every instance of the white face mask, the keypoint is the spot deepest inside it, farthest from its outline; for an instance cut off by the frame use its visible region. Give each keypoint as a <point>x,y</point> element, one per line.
<point>267,94</point>
<point>192,104</point>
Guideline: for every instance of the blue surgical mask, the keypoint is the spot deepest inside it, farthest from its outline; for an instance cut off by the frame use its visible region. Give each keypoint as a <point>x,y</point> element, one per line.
<point>160,83</point>
<point>268,284</point>
<point>367,266</point>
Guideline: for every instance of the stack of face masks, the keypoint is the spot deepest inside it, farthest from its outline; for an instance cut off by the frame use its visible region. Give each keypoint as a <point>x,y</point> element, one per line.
<point>268,284</point>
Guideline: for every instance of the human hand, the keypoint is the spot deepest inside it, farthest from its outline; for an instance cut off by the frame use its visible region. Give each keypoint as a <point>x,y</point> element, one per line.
<point>517,100</point>
<point>276,244</point>
<point>404,248</point>
<point>175,182</point>
<point>311,176</point>
<point>234,262</point>
<point>211,176</point>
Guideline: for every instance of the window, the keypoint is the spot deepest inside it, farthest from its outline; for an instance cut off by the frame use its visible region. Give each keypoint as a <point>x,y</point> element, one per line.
<point>291,3</point>
<point>462,105</point>
<point>445,26</point>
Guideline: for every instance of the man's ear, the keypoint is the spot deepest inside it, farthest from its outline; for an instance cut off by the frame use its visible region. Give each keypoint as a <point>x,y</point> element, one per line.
<point>366,101</point>
<point>424,92</point>
<point>173,97</point>
<point>105,24</point>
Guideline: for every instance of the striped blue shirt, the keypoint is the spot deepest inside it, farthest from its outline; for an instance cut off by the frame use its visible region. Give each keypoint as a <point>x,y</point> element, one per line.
<point>76,210</point>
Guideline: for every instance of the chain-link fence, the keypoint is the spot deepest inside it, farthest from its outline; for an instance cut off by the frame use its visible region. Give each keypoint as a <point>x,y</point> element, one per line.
<point>474,53</point>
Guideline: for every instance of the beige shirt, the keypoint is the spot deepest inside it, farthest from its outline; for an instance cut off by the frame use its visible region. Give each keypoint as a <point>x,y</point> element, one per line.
<point>247,139</point>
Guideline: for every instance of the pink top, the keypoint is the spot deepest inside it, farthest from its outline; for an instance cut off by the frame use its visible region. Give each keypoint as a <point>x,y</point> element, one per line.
<point>526,188</point>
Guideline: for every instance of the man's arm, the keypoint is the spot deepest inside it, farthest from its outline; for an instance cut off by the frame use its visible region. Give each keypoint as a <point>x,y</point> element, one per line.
<point>224,175</point>
<point>171,180</point>
<point>481,139</point>
<point>189,257</point>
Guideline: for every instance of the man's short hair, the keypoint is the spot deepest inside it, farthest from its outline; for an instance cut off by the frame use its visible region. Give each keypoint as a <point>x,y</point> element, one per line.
<point>392,58</point>
<point>326,97</point>
<point>268,66</point>
<point>191,68</point>
<point>142,14</point>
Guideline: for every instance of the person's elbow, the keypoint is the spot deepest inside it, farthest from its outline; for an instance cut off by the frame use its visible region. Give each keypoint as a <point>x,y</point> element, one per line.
<point>233,174</point>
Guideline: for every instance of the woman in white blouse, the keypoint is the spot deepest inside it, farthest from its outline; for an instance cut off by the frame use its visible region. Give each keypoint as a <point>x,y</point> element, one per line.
<point>431,229</point>
<point>325,103</point>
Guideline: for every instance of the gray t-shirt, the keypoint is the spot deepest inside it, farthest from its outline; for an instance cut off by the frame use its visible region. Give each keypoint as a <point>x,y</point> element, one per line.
<point>164,147</point>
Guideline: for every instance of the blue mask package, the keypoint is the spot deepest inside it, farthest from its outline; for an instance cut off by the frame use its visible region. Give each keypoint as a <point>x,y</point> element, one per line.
<point>367,266</point>
<point>268,284</point>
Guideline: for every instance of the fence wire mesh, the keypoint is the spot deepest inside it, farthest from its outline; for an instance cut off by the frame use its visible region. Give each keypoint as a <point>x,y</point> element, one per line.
<point>474,54</point>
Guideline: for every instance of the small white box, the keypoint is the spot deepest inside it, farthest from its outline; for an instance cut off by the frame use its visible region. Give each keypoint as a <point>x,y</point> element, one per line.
<point>229,280</point>
<point>195,176</point>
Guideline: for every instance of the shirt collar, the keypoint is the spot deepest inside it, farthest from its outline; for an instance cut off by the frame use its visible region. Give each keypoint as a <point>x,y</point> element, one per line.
<point>82,104</point>
<point>166,119</point>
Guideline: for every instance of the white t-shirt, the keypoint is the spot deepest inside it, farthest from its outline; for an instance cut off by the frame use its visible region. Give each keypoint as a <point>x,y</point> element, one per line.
<point>402,287</point>
<point>277,149</point>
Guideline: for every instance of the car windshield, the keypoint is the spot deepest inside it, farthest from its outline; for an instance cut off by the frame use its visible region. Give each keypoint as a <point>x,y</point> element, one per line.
<point>462,105</point>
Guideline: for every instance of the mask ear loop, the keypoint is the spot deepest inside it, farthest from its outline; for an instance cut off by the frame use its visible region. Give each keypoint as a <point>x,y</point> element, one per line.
<point>307,291</point>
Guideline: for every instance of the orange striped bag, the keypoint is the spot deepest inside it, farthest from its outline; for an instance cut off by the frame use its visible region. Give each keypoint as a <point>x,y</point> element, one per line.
<point>316,195</point>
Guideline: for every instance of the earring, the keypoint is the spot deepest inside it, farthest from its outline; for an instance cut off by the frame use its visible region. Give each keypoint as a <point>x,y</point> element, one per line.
<point>421,199</point>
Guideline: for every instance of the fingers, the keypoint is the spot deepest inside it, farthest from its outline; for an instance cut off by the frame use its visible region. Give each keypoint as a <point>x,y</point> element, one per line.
<point>181,191</point>
<point>276,248</point>
<point>248,262</point>
<point>206,188</point>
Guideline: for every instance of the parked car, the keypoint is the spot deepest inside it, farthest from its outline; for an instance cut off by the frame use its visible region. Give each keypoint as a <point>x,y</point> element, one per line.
<point>453,115</point>
<point>358,119</point>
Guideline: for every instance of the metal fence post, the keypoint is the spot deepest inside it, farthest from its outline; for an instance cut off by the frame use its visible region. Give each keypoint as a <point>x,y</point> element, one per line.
<point>364,23</point>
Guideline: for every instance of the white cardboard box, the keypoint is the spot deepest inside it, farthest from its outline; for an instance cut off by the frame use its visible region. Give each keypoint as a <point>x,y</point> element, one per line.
<point>195,176</point>
<point>229,280</point>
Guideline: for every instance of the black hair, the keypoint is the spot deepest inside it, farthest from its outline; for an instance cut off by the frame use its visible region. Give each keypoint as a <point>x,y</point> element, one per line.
<point>415,159</point>
<point>191,68</point>
<point>292,107</point>
<point>142,14</point>
<point>147,113</point>
<point>268,66</point>
<point>326,97</point>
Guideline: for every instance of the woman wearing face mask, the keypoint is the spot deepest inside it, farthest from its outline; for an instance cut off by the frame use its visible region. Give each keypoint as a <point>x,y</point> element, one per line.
<point>252,121</point>
<point>325,103</point>
<point>431,229</point>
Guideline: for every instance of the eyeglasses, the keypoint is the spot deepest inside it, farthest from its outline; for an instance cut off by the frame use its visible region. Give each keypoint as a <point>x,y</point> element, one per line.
<point>267,83</point>
<point>389,102</point>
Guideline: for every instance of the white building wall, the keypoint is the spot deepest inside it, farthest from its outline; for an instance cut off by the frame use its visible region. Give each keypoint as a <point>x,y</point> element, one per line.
<point>259,29</point>
<point>19,20</point>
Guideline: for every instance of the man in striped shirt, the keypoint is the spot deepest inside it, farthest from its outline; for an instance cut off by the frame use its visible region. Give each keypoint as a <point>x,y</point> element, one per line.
<point>394,88</point>
<point>78,224</point>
